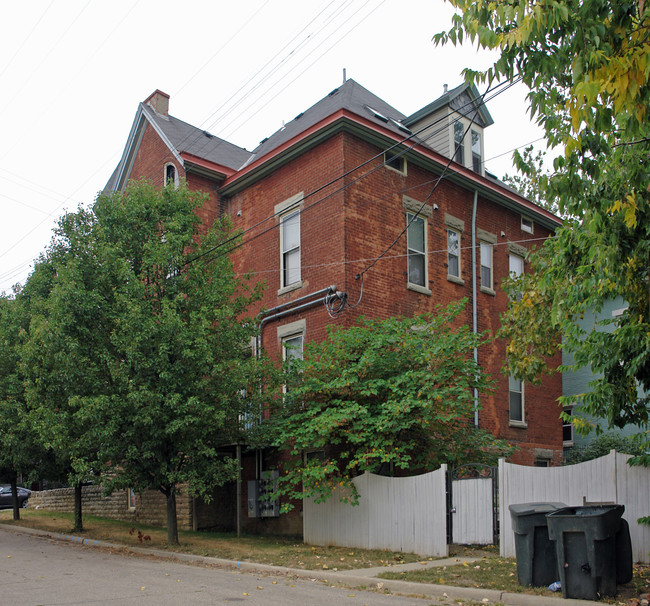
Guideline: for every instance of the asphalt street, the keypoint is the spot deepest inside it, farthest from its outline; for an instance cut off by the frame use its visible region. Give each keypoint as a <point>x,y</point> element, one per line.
<point>41,571</point>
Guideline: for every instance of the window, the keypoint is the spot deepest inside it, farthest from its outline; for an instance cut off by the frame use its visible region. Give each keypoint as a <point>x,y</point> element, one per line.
<point>289,218</point>
<point>416,238</point>
<point>567,428</point>
<point>171,175</point>
<point>527,225</point>
<point>516,269</point>
<point>393,159</point>
<point>477,157</point>
<point>291,337</point>
<point>542,463</point>
<point>290,242</point>
<point>486,265</point>
<point>516,396</point>
<point>459,146</point>
<point>291,350</point>
<point>516,265</point>
<point>453,253</point>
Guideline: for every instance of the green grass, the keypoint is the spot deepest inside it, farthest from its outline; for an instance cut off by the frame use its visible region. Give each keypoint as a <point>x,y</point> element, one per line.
<point>278,551</point>
<point>494,572</point>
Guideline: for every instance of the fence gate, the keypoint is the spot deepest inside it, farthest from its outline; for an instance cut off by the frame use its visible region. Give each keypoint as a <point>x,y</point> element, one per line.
<point>471,504</point>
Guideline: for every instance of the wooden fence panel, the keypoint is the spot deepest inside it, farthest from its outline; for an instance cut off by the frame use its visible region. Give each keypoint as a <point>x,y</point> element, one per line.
<point>633,491</point>
<point>472,511</point>
<point>400,514</point>
<point>608,479</point>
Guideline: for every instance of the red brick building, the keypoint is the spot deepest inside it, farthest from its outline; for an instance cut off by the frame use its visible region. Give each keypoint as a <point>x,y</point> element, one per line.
<point>324,198</point>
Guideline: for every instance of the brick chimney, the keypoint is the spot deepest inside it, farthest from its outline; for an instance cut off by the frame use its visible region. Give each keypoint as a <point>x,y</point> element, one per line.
<point>159,101</point>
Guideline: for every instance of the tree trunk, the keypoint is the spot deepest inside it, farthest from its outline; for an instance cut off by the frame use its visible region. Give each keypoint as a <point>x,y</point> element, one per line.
<point>78,523</point>
<point>14,498</point>
<point>172,523</point>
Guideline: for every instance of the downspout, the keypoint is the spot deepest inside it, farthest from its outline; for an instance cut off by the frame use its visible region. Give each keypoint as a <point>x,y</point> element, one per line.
<point>275,313</point>
<point>474,311</point>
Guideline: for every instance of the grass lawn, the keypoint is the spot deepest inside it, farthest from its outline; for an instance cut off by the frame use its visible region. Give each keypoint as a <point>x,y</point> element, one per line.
<point>278,551</point>
<point>494,572</point>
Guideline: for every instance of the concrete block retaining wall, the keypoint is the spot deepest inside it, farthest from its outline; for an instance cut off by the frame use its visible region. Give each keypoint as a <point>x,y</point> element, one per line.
<point>150,506</point>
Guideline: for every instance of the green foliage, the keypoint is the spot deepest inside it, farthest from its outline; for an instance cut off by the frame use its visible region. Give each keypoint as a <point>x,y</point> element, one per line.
<point>136,353</point>
<point>532,181</point>
<point>586,65</point>
<point>601,445</point>
<point>392,393</point>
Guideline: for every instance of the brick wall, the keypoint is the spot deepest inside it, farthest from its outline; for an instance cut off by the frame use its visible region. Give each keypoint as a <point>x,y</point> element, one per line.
<point>348,228</point>
<point>150,505</point>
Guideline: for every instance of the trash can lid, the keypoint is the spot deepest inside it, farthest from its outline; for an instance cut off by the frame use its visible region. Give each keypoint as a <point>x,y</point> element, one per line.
<point>522,509</point>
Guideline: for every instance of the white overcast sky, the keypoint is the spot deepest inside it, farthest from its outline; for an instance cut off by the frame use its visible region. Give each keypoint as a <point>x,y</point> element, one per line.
<point>73,71</point>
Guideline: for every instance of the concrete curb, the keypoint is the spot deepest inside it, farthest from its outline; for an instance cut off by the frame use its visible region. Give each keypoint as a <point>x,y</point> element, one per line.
<point>349,578</point>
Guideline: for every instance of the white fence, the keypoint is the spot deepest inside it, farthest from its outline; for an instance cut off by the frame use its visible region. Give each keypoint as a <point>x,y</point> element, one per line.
<point>409,514</point>
<point>606,480</point>
<point>400,514</point>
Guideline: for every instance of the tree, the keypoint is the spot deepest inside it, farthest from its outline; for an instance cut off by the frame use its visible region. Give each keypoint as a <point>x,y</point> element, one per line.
<point>68,356</point>
<point>585,64</point>
<point>395,392</point>
<point>532,182</point>
<point>17,447</point>
<point>180,338</point>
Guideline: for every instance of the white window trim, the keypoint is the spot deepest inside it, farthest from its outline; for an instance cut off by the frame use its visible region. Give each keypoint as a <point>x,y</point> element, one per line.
<point>488,290</point>
<point>455,118</point>
<point>457,225</point>
<point>486,237</point>
<point>176,177</point>
<point>410,285</point>
<point>525,227</point>
<point>282,211</point>
<point>479,132</point>
<point>291,331</point>
<point>571,442</point>
<point>513,423</point>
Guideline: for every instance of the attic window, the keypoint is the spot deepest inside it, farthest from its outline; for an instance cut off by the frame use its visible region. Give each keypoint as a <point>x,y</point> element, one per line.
<point>171,175</point>
<point>396,161</point>
<point>207,134</point>
<point>527,225</point>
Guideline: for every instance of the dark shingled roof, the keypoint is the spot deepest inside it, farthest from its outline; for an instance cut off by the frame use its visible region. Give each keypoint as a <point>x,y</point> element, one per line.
<point>187,138</point>
<point>350,96</point>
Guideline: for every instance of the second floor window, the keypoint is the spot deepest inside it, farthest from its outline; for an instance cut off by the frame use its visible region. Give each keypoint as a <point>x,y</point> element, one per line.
<point>453,253</point>
<point>290,245</point>
<point>417,252</point>
<point>516,391</point>
<point>486,265</point>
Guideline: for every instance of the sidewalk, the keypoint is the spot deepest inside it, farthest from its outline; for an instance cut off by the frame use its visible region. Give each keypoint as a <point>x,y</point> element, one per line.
<point>363,578</point>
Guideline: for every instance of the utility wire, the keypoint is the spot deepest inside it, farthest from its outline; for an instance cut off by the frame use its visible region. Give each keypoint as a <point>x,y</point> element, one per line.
<point>331,182</point>
<point>433,189</point>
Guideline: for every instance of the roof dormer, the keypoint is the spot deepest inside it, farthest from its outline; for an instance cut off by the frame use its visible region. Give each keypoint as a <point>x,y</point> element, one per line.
<point>453,125</point>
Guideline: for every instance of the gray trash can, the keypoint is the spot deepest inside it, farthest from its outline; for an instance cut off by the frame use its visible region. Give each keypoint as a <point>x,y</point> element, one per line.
<point>536,559</point>
<point>585,543</point>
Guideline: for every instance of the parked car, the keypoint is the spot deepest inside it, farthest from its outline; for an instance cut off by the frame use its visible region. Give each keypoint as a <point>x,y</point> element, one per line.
<point>6,501</point>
